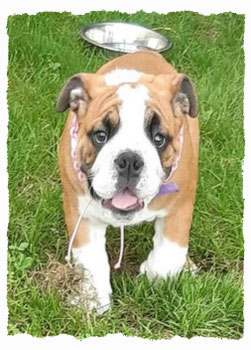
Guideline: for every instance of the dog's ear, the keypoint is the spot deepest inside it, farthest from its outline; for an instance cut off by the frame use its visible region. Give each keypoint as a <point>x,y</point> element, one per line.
<point>184,101</point>
<point>73,94</point>
<point>78,92</point>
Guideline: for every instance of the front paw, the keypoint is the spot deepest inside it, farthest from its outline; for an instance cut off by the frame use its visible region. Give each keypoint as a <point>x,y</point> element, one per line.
<point>154,271</point>
<point>160,265</point>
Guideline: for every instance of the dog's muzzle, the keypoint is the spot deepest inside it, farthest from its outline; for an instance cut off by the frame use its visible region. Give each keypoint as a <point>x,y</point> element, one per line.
<point>128,165</point>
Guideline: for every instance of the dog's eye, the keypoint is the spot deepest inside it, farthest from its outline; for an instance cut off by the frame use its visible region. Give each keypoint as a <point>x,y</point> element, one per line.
<point>159,140</point>
<point>100,136</point>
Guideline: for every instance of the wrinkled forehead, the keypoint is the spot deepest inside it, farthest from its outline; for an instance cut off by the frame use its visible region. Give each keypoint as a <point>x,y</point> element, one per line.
<point>134,96</point>
<point>129,104</point>
<point>126,103</point>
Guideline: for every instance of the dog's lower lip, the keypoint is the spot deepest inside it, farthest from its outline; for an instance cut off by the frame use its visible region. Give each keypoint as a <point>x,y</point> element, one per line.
<point>107,204</point>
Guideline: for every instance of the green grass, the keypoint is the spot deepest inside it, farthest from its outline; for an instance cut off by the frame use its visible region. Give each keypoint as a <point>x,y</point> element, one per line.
<point>44,51</point>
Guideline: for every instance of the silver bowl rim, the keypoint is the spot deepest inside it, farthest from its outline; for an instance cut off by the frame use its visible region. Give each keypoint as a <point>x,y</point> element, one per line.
<point>84,29</point>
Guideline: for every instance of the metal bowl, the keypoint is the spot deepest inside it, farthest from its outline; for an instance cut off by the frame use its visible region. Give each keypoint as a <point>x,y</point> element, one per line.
<point>124,37</point>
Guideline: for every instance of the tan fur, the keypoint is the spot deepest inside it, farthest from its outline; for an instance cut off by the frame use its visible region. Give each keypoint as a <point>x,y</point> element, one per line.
<point>161,80</point>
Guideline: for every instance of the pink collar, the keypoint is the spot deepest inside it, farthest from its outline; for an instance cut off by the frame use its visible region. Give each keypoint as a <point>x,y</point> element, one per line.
<point>74,141</point>
<point>172,187</point>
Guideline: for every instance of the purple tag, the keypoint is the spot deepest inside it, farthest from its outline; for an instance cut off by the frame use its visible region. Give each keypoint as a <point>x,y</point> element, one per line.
<point>170,187</point>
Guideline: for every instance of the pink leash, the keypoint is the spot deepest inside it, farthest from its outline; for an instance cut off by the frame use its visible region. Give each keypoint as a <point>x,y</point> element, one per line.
<point>118,264</point>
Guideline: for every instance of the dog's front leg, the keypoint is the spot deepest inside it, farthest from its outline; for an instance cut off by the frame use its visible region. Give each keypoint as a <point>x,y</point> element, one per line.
<point>169,253</point>
<point>89,252</point>
<point>93,257</point>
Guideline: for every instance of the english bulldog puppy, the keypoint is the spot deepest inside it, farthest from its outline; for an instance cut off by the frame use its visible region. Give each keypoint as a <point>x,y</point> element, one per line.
<point>129,154</point>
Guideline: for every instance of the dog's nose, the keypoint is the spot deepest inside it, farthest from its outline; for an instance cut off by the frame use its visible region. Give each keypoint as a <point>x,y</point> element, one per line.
<point>129,164</point>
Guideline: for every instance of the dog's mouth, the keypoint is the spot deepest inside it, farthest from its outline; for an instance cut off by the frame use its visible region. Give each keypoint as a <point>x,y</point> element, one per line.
<point>124,202</point>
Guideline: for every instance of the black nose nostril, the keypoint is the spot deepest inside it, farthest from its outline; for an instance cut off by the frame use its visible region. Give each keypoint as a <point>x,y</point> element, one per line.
<point>129,164</point>
<point>122,164</point>
<point>138,164</point>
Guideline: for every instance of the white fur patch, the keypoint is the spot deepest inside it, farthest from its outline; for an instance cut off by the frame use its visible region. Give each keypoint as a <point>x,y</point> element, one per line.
<point>93,258</point>
<point>119,76</point>
<point>166,259</point>
<point>76,93</point>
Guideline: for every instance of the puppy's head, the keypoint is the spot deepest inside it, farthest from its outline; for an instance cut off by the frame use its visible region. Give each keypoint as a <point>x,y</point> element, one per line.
<point>128,133</point>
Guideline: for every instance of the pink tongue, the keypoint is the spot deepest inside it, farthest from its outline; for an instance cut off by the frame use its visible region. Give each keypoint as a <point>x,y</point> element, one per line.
<point>124,200</point>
